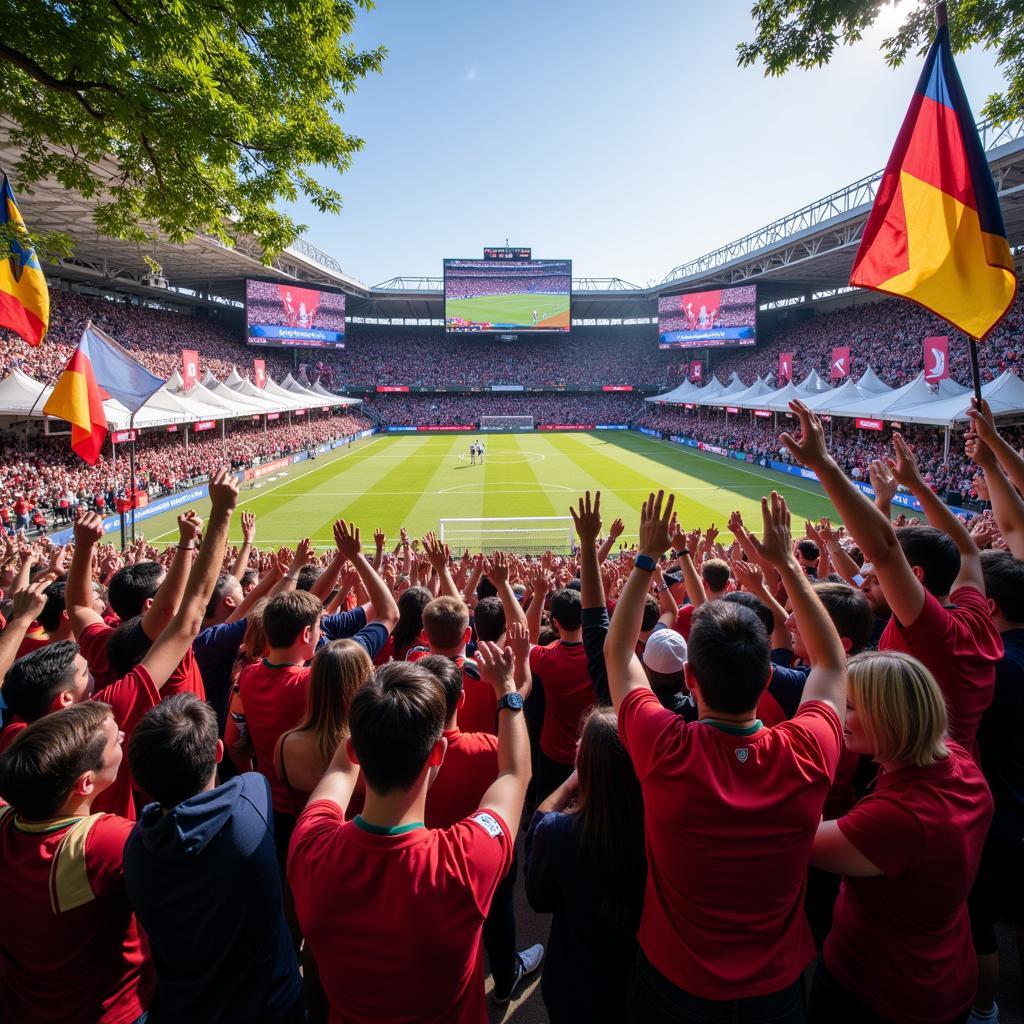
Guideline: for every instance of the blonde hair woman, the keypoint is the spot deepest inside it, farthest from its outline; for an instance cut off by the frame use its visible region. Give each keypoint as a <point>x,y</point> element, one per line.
<point>339,669</point>
<point>900,947</point>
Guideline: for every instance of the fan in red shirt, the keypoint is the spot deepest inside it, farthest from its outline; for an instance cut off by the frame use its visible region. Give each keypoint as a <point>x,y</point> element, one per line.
<point>900,945</point>
<point>930,576</point>
<point>730,807</point>
<point>70,949</point>
<point>568,692</point>
<point>383,889</point>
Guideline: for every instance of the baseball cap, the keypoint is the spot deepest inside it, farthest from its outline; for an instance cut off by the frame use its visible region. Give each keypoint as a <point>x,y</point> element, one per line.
<point>665,651</point>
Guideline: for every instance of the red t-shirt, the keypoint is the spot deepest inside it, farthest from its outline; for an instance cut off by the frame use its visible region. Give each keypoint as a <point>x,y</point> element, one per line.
<point>186,678</point>
<point>470,766</point>
<point>960,647</point>
<point>685,619</point>
<point>274,698</point>
<point>568,696</point>
<point>69,945</point>
<point>729,824</point>
<point>34,639</point>
<point>479,711</point>
<point>368,902</point>
<point>901,941</point>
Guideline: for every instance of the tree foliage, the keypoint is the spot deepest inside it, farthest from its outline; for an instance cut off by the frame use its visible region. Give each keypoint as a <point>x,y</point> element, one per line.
<point>183,116</point>
<point>805,34</point>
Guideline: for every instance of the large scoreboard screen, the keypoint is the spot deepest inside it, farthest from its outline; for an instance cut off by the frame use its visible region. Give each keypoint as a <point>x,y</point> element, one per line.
<point>720,318</point>
<point>508,253</point>
<point>528,296</point>
<point>286,315</point>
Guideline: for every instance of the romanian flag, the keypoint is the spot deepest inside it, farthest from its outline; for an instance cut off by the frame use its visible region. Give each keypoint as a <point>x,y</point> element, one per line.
<point>24,300</point>
<point>935,234</point>
<point>97,370</point>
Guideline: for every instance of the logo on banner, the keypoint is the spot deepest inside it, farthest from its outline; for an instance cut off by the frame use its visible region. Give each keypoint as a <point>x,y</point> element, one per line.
<point>936,359</point>
<point>785,367</point>
<point>840,363</point>
<point>696,371</point>
<point>259,369</point>
<point>189,369</point>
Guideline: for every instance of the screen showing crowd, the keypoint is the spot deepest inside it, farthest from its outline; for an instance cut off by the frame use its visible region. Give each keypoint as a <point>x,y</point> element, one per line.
<point>507,295</point>
<point>710,319</point>
<point>282,314</point>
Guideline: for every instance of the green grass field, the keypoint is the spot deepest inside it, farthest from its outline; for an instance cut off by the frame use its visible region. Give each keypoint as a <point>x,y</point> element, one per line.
<point>512,310</point>
<point>394,480</point>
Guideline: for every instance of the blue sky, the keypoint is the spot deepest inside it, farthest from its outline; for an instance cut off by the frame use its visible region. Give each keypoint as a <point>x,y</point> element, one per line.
<point>622,136</point>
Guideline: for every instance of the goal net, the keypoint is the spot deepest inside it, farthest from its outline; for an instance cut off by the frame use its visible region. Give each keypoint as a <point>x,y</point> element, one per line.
<point>506,423</point>
<point>531,535</point>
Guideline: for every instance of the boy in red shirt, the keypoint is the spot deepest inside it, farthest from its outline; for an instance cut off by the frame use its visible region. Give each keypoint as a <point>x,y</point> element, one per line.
<point>383,889</point>
<point>730,807</point>
<point>69,946</point>
<point>931,577</point>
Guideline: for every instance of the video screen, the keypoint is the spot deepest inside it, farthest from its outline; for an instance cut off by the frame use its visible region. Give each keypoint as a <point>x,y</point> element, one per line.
<point>507,295</point>
<point>709,319</point>
<point>283,314</point>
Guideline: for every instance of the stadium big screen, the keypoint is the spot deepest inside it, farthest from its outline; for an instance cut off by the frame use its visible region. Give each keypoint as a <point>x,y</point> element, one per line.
<point>507,295</point>
<point>709,319</point>
<point>283,314</point>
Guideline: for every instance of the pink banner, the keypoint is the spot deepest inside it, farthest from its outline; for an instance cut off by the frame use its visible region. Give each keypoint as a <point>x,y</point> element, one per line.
<point>697,371</point>
<point>840,363</point>
<point>189,369</point>
<point>259,372</point>
<point>869,424</point>
<point>785,368</point>
<point>936,358</point>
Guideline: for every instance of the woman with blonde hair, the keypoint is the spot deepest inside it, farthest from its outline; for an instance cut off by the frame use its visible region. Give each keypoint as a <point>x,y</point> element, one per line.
<point>900,948</point>
<point>339,669</point>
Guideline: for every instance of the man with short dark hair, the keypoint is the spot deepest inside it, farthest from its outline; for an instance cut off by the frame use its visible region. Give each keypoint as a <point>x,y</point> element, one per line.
<point>715,577</point>
<point>382,889</point>
<point>69,946</point>
<point>731,807</point>
<point>201,874</point>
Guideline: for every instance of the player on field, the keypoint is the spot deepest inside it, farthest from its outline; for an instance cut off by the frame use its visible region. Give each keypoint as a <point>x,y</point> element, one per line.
<point>480,451</point>
<point>472,453</point>
<point>535,316</point>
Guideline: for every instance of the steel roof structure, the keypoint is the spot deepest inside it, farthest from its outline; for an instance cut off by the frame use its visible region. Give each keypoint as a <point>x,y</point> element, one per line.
<point>792,259</point>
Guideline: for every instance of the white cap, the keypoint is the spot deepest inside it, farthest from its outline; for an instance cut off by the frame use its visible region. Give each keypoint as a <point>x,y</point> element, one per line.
<point>665,651</point>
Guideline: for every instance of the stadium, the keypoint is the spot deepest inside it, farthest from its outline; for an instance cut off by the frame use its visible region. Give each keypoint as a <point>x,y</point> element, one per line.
<point>343,506</point>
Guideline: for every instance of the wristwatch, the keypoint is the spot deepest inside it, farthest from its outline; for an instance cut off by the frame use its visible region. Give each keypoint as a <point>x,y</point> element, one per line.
<point>513,701</point>
<point>645,562</point>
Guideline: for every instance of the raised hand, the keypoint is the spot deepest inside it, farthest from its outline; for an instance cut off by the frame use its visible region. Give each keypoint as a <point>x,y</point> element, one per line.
<point>248,527</point>
<point>28,603</point>
<point>980,453</point>
<point>346,539</point>
<point>776,545</point>
<point>435,551</point>
<point>904,468</point>
<point>749,576</point>
<point>496,666</point>
<point>497,568</point>
<point>190,526</point>
<point>656,524</point>
<point>223,491</point>
<point>59,559</point>
<point>379,538</point>
<point>518,639</point>
<point>587,519</point>
<point>810,449</point>
<point>88,529</point>
<point>882,480</point>
<point>982,421</point>
<point>615,530</point>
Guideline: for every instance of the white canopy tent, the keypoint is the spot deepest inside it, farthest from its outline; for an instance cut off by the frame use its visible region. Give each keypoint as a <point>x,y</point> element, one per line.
<point>680,393</point>
<point>1005,396</point>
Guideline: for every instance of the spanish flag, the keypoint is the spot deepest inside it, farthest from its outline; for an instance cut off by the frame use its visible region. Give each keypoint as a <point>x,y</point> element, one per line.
<point>24,300</point>
<point>935,234</point>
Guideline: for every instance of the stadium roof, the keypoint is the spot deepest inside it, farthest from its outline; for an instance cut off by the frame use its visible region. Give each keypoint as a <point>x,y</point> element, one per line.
<point>793,259</point>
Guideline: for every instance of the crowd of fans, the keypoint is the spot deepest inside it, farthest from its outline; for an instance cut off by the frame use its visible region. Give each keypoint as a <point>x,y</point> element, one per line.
<point>736,760</point>
<point>465,410</point>
<point>45,479</point>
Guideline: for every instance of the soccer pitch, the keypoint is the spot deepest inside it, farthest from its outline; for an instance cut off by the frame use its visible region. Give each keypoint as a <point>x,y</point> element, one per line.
<point>509,311</point>
<point>414,480</point>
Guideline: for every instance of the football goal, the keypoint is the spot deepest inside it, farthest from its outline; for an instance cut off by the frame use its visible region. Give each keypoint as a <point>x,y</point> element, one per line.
<point>529,535</point>
<point>506,423</point>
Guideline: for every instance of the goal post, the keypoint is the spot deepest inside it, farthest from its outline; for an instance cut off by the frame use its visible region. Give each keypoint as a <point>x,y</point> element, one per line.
<point>527,535</point>
<point>506,423</point>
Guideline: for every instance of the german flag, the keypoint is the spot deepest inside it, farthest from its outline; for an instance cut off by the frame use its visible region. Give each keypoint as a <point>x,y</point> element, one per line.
<point>24,299</point>
<point>76,397</point>
<point>935,234</point>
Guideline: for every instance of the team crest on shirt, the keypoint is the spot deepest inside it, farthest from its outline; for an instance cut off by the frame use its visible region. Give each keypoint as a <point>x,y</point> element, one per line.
<point>742,753</point>
<point>488,823</point>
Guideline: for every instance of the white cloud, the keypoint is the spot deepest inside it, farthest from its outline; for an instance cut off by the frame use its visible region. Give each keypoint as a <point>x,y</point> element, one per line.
<point>470,75</point>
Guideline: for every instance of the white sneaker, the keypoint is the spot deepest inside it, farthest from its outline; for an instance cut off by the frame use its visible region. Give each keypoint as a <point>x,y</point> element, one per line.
<point>527,962</point>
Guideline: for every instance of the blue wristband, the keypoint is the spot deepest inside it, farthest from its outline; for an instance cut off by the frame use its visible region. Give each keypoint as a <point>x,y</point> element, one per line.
<point>645,562</point>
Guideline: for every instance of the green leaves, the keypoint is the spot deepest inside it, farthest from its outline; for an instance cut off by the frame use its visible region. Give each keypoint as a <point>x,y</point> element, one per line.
<point>185,116</point>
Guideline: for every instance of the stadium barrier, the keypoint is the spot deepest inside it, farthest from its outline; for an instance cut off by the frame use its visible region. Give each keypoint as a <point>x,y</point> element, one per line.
<point>612,426</point>
<point>565,426</point>
<point>907,501</point>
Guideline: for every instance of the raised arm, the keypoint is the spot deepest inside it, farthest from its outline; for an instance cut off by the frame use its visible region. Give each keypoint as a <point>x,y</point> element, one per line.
<point>841,561</point>
<point>172,644</point>
<point>385,610</point>
<point>506,794</point>
<point>78,601</point>
<point>379,540</point>
<point>667,604</point>
<point>28,603</point>
<point>939,515</point>
<point>614,532</point>
<point>473,580</point>
<point>264,585</point>
<point>587,521</point>
<point>498,574</point>
<point>328,579</point>
<point>248,536</point>
<point>625,673</point>
<point>868,526</point>
<point>827,681</point>
<point>437,556</point>
<point>1007,504</point>
<point>168,596</point>
<point>540,587</point>
<point>984,425</point>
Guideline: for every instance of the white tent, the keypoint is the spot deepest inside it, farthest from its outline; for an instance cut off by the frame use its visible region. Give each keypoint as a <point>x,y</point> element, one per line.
<point>876,406</point>
<point>268,401</point>
<point>812,384</point>
<point>1005,396</point>
<point>848,391</point>
<point>872,383</point>
<point>291,385</point>
<point>680,393</point>
<point>203,401</point>
<point>19,392</point>
<point>753,396</point>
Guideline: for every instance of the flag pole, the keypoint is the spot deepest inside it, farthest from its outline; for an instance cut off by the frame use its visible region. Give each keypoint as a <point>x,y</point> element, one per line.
<point>131,469</point>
